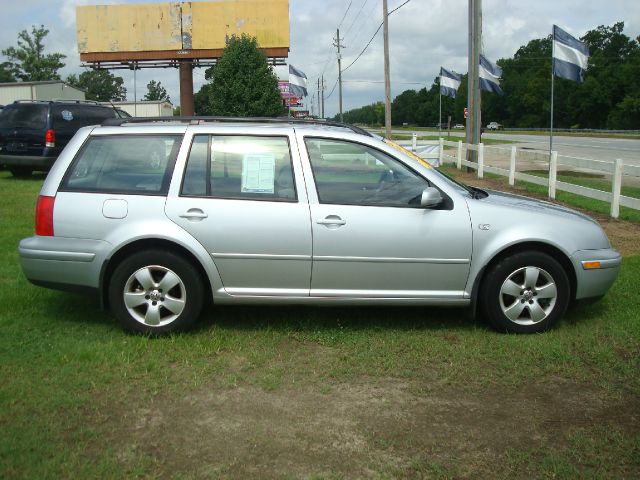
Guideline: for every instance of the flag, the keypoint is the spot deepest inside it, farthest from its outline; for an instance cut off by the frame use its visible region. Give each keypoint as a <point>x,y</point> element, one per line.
<point>449,83</point>
<point>490,76</point>
<point>297,82</point>
<point>570,56</point>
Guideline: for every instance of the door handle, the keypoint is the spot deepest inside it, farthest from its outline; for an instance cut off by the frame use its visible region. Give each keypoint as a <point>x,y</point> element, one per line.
<point>331,221</point>
<point>194,214</point>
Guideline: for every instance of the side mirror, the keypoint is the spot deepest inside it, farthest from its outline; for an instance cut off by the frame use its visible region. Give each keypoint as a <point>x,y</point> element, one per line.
<point>430,197</point>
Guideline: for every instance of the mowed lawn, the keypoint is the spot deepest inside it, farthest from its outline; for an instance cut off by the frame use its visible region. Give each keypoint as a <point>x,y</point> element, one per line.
<point>295,392</point>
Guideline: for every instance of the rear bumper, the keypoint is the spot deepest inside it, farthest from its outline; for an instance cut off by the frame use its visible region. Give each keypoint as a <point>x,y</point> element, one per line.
<point>595,282</point>
<point>27,161</point>
<point>63,263</point>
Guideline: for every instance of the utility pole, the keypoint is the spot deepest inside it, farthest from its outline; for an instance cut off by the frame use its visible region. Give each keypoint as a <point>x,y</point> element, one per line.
<point>318,96</point>
<point>322,106</point>
<point>338,45</point>
<point>474,122</point>
<point>387,76</point>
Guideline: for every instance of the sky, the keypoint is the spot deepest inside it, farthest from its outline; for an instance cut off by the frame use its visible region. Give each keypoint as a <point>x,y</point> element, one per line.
<point>423,36</point>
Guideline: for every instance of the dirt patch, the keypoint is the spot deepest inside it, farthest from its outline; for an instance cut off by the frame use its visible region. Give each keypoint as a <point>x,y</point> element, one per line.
<point>622,234</point>
<point>364,429</point>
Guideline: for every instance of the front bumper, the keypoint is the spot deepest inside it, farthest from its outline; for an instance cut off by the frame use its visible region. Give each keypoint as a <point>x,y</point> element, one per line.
<point>596,270</point>
<point>63,263</point>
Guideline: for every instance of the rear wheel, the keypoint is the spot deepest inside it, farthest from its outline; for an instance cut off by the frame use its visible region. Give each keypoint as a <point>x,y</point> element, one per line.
<point>21,172</point>
<point>156,292</point>
<point>525,293</point>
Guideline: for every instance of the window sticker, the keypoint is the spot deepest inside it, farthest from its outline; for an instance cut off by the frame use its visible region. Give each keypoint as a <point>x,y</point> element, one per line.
<point>67,115</point>
<point>258,173</point>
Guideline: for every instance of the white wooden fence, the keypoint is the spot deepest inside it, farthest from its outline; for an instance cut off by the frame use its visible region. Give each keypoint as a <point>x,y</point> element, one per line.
<point>617,170</point>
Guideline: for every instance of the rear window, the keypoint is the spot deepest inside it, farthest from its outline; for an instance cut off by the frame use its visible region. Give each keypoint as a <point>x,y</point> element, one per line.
<point>24,115</point>
<point>127,164</point>
<point>70,118</point>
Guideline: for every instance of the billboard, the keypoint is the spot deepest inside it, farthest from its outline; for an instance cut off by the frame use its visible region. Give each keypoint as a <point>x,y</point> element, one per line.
<point>290,100</point>
<point>158,31</point>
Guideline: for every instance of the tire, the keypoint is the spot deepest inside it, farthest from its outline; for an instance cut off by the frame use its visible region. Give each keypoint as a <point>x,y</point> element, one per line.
<point>526,292</point>
<point>141,304</point>
<point>21,172</point>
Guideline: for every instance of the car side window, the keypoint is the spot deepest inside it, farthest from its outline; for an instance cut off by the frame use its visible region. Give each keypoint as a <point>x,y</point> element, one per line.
<point>69,117</point>
<point>240,167</point>
<point>350,173</point>
<point>124,164</point>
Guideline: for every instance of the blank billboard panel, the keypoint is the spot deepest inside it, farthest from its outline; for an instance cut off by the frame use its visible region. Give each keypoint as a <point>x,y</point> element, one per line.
<point>179,30</point>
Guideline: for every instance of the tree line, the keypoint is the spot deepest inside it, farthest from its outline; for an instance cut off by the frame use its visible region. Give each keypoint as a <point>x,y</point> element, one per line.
<point>242,83</point>
<point>28,62</point>
<point>609,97</point>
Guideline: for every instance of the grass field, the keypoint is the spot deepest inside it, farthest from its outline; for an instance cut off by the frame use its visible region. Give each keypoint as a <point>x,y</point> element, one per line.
<point>310,393</point>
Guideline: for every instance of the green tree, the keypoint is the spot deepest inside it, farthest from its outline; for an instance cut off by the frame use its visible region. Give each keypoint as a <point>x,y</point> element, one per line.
<point>99,85</point>
<point>28,62</point>
<point>242,84</point>
<point>5,73</point>
<point>201,100</point>
<point>369,115</point>
<point>611,93</point>
<point>609,97</point>
<point>155,91</point>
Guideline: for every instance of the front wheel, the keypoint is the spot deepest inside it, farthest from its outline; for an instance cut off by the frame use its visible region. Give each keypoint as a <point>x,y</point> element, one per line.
<point>525,293</point>
<point>156,292</point>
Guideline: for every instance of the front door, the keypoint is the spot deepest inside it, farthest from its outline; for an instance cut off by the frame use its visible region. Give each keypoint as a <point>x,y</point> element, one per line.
<point>371,238</point>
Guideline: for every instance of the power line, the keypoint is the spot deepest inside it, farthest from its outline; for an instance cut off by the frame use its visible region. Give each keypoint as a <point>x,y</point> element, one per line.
<point>399,7</point>
<point>355,18</point>
<point>345,14</point>
<point>356,37</point>
<point>365,47</point>
<point>332,90</point>
<point>382,81</point>
<point>374,36</point>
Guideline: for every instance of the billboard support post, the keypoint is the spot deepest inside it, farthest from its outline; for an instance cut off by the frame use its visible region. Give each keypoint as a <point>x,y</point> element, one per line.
<point>187,107</point>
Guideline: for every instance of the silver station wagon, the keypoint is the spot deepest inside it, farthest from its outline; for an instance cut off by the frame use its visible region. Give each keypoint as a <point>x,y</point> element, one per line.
<point>162,216</point>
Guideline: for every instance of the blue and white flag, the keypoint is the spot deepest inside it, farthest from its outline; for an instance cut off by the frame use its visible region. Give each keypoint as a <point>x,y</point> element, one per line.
<point>297,82</point>
<point>449,83</point>
<point>570,56</point>
<point>490,74</point>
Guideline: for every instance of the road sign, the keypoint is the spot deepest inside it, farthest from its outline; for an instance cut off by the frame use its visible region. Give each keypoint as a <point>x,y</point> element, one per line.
<point>466,112</point>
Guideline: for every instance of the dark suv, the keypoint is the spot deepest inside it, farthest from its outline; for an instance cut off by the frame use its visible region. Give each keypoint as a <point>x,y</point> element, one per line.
<point>34,132</point>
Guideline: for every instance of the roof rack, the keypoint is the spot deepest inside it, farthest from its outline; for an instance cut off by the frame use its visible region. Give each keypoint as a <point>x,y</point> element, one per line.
<point>57,100</point>
<point>116,122</point>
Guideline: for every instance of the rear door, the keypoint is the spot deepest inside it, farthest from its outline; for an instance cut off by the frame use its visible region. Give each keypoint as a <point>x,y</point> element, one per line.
<point>243,198</point>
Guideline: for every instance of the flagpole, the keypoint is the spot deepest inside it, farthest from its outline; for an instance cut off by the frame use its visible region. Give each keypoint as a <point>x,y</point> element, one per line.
<point>440,111</point>
<point>553,51</point>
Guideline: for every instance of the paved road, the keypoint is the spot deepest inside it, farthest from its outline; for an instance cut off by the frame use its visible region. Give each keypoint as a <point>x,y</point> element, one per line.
<point>583,147</point>
<point>607,149</point>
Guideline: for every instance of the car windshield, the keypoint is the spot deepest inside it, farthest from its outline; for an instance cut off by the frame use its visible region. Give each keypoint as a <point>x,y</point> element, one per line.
<point>24,115</point>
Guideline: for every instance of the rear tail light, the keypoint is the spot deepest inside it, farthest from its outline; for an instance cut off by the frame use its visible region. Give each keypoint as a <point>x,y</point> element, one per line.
<point>44,216</point>
<point>50,138</point>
